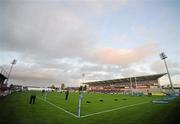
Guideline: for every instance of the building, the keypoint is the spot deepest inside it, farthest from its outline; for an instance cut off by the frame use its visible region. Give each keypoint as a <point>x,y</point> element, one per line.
<point>176,87</point>
<point>144,84</point>
<point>3,78</point>
<point>72,89</point>
<point>15,88</point>
<point>34,88</point>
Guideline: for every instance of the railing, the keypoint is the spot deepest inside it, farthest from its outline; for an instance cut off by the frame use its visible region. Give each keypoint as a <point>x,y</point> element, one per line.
<point>3,72</point>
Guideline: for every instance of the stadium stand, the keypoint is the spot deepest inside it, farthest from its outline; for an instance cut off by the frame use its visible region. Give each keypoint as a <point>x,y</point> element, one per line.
<point>3,77</point>
<point>140,84</point>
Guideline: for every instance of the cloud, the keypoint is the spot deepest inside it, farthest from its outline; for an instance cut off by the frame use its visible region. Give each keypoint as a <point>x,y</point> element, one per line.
<point>144,31</point>
<point>39,76</point>
<point>48,31</point>
<point>35,29</point>
<point>126,56</point>
<point>54,42</point>
<point>68,71</point>
<point>159,67</point>
<point>178,52</point>
<point>97,7</point>
<point>120,39</point>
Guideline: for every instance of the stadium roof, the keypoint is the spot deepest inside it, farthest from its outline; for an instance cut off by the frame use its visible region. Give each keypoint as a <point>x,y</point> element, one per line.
<point>125,80</point>
<point>3,73</point>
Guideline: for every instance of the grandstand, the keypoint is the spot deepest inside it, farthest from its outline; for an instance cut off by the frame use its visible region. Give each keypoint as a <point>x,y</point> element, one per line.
<point>3,85</point>
<point>142,84</point>
<point>3,78</point>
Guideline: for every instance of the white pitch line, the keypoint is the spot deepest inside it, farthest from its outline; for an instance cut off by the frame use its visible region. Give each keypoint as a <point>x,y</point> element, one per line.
<point>59,107</point>
<point>113,109</point>
<point>92,113</point>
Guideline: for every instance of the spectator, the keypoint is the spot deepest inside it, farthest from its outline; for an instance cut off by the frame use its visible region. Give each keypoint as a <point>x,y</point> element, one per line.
<point>32,98</point>
<point>67,94</point>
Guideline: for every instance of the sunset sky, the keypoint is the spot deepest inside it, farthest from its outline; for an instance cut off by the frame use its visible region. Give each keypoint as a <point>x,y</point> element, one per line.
<point>55,41</point>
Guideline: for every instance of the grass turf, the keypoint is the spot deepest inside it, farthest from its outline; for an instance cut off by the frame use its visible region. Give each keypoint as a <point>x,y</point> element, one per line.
<point>16,109</point>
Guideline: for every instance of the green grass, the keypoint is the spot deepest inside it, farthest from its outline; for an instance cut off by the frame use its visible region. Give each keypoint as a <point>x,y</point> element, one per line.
<point>16,109</point>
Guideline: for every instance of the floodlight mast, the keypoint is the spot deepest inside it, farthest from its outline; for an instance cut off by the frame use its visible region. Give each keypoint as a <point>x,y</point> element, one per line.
<point>12,63</point>
<point>163,57</point>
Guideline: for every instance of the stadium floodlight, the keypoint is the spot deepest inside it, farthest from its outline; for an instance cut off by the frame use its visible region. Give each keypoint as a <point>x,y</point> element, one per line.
<point>12,63</point>
<point>163,57</point>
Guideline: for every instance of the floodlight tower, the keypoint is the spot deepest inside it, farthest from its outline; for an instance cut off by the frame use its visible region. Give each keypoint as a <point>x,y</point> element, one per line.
<point>163,57</point>
<point>12,64</point>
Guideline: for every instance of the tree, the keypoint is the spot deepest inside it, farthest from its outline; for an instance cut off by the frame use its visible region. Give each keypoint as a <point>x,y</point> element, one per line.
<point>80,88</point>
<point>62,86</point>
<point>53,87</point>
<point>11,87</point>
<point>85,88</point>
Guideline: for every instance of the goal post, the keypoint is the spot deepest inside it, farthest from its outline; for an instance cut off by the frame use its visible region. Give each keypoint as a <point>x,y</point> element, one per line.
<point>79,103</point>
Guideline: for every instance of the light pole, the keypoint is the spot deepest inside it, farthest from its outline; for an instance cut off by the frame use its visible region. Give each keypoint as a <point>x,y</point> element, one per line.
<point>12,63</point>
<point>163,57</point>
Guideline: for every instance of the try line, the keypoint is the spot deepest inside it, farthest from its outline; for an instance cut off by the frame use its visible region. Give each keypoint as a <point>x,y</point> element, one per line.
<point>59,107</point>
<point>92,113</point>
<point>113,109</point>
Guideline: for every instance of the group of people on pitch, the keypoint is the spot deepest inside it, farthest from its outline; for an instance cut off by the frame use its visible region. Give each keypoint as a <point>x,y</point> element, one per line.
<point>33,96</point>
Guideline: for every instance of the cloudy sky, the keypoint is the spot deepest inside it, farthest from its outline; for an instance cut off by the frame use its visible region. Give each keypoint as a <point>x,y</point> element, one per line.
<point>55,41</point>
